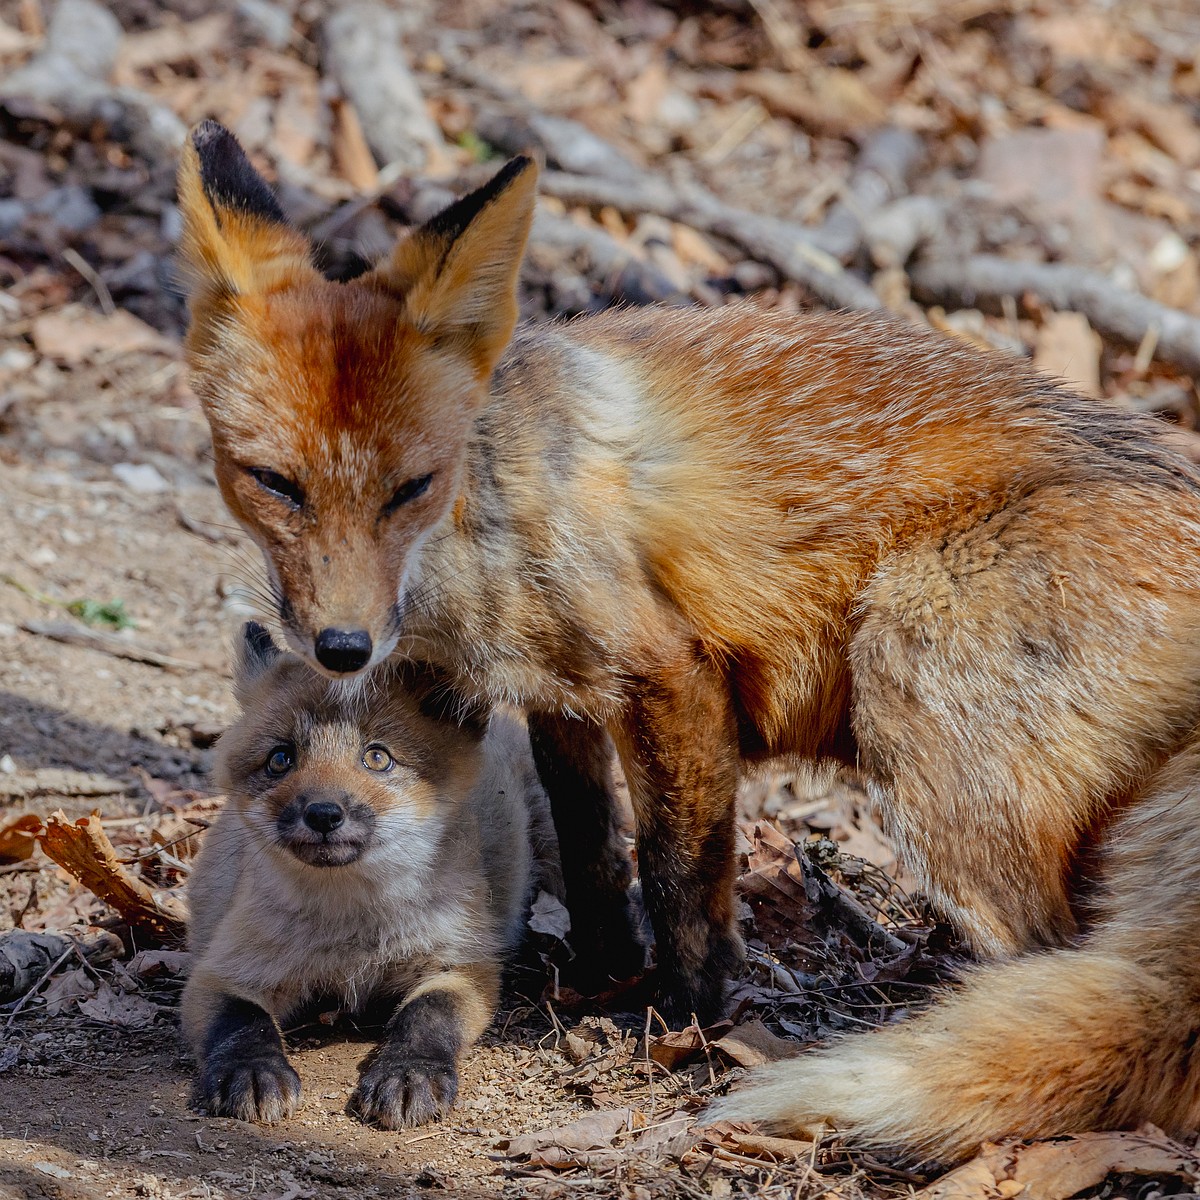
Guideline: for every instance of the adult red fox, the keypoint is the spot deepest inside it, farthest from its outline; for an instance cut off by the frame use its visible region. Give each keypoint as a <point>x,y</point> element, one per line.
<point>727,535</point>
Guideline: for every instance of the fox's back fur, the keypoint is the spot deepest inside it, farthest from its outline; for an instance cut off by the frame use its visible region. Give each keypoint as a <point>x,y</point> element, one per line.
<point>733,534</point>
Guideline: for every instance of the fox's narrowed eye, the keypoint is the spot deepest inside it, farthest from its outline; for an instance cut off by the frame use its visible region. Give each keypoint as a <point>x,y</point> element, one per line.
<point>376,758</point>
<point>408,491</point>
<point>292,494</point>
<point>281,760</point>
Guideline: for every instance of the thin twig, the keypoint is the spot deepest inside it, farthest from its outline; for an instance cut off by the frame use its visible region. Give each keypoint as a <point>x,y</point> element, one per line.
<point>85,268</point>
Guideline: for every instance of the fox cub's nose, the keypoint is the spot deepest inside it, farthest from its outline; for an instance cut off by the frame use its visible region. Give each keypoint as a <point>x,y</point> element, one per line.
<point>343,649</point>
<point>324,816</point>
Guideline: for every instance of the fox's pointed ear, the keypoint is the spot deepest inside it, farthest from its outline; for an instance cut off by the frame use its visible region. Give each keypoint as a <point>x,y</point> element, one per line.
<point>457,273</point>
<point>236,240</point>
<point>256,654</point>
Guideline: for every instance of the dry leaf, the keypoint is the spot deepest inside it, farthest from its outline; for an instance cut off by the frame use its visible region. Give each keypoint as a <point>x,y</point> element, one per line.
<point>645,94</point>
<point>150,964</point>
<point>572,1145</point>
<point>773,869</point>
<point>694,248</point>
<point>1055,1170</point>
<point>752,1044</point>
<point>352,157</point>
<point>76,334</point>
<point>82,849</point>
<point>18,838</point>
<point>549,915</point>
<point>1080,37</point>
<point>62,992</point>
<point>830,100</point>
<point>13,42</point>
<point>117,1008</point>
<point>1055,170</point>
<point>673,1049</point>
<point>745,1139</point>
<point>1069,348</point>
<point>298,127</point>
<point>170,44</point>
<point>551,79</point>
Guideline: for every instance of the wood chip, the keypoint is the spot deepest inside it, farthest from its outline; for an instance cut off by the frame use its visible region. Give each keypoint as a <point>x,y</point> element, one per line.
<point>18,838</point>
<point>1069,348</point>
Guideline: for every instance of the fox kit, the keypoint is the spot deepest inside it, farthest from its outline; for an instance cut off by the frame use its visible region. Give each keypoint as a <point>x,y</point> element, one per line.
<point>376,848</point>
<point>726,535</point>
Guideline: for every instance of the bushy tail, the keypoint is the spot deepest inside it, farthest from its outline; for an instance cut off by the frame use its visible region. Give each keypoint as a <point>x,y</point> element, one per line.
<point>1105,1035</point>
<point>1062,1042</point>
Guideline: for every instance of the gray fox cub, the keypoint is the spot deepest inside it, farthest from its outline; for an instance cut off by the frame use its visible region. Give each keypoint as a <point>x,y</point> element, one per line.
<point>376,847</point>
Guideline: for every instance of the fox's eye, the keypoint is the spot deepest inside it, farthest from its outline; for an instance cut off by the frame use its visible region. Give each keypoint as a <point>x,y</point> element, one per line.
<point>376,758</point>
<point>292,494</point>
<point>281,760</point>
<point>408,491</point>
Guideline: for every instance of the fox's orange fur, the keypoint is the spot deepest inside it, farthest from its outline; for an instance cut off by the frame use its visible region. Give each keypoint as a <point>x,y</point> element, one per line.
<point>727,535</point>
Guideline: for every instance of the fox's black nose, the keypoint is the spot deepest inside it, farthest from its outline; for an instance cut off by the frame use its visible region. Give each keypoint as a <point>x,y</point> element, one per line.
<point>324,816</point>
<point>343,649</point>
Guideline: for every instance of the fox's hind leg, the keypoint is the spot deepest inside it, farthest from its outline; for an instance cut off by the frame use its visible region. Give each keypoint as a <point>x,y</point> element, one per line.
<point>1012,682</point>
<point>574,761</point>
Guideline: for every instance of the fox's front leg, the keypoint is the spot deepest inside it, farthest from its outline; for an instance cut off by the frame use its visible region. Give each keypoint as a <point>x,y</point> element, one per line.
<point>243,1070</point>
<point>677,737</point>
<point>411,1077</point>
<point>574,764</point>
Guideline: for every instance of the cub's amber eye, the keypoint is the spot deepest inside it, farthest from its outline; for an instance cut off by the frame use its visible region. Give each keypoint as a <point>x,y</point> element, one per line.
<point>281,760</point>
<point>376,758</point>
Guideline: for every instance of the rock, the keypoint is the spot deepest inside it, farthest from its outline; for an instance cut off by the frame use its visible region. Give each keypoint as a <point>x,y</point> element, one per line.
<point>71,74</point>
<point>270,23</point>
<point>71,208</point>
<point>361,46</point>
<point>140,477</point>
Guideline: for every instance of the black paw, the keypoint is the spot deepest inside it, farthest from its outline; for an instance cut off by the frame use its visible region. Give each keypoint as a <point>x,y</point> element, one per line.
<point>607,949</point>
<point>684,992</point>
<point>396,1093</point>
<point>255,1086</point>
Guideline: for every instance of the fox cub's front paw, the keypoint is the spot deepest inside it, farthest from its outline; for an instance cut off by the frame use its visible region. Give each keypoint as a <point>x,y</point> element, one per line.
<point>256,1085</point>
<point>395,1092</point>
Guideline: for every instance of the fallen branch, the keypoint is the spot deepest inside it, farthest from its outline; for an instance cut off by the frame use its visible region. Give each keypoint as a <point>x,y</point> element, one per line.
<point>83,850</point>
<point>107,643</point>
<point>362,48</point>
<point>57,781</point>
<point>791,249</point>
<point>1113,311</point>
<point>880,175</point>
<point>515,126</point>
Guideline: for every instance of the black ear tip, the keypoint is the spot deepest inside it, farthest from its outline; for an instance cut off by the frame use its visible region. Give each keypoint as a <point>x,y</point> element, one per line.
<point>450,222</point>
<point>227,176</point>
<point>207,132</point>
<point>513,169</point>
<point>258,640</point>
